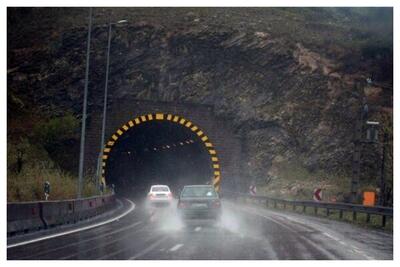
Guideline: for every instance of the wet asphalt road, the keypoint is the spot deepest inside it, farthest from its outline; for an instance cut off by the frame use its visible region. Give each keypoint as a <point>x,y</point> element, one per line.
<point>245,232</point>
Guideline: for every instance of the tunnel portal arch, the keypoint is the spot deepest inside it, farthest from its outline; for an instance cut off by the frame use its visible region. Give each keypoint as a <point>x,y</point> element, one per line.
<point>179,120</point>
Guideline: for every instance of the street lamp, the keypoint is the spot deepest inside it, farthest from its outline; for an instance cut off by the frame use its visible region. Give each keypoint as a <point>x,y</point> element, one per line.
<point>82,146</point>
<point>99,175</point>
<point>372,131</point>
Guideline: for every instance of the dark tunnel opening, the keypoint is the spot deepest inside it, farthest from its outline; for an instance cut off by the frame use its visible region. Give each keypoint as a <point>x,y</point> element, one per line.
<point>157,152</point>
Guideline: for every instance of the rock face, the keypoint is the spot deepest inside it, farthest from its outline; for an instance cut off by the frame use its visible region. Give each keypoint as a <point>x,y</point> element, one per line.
<point>291,98</point>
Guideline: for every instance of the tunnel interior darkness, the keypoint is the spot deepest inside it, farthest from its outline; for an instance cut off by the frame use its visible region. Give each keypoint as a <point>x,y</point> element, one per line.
<point>157,152</point>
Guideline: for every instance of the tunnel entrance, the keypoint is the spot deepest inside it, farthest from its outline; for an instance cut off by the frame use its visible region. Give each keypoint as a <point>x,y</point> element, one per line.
<point>159,149</point>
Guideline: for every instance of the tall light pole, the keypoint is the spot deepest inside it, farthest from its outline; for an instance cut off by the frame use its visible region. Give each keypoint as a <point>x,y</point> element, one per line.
<point>83,130</point>
<point>99,174</point>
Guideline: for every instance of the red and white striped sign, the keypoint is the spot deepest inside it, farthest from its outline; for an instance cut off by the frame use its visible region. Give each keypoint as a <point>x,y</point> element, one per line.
<point>253,190</point>
<point>317,196</point>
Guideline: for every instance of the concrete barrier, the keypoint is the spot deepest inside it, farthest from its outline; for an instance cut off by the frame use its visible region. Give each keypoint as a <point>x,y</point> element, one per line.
<point>32,216</point>
<point>23,217</point>
<point>57,212</point>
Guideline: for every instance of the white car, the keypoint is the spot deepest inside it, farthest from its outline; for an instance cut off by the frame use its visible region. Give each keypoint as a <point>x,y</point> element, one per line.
<point>160,194</point>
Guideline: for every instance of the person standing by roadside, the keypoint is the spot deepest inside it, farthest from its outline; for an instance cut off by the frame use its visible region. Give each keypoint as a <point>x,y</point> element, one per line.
<point>46,190</point>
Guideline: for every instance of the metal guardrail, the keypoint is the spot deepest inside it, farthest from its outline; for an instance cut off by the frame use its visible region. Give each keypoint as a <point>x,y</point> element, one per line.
<point>24,217</point>
<point>384,212</point>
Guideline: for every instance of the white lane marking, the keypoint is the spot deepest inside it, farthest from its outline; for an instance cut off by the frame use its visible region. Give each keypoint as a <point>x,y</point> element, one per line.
<point>316,246</point>
<point>353,248</point>
<point>198,228</point>
<point>85,241</point>
<point>115,241</point>
<point>176,247</point>
<point>356,250</point>
<point>148,249</point>
<point>75,230</point>
<point>331,237</point>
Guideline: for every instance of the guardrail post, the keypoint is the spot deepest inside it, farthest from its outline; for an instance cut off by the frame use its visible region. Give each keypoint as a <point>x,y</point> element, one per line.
<point>304,209</point>
<point>368,217</point>
<point>315,210</point>
<point>284,205</point>
<point>294,207</point>
<point>327,212</point>
<point>266,203</point>
<point>383,221</point>
<point>341,214</point>
<point>354,215</point>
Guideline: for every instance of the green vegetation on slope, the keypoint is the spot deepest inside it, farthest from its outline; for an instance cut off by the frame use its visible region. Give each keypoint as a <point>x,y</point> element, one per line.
<point>40,156</point>
<point>295,182</point>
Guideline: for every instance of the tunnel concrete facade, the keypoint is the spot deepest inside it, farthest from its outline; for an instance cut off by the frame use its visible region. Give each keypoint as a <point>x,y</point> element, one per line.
<point>120,111</point>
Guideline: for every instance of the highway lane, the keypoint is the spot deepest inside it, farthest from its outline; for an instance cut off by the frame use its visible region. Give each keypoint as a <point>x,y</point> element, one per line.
<point>245,232</point>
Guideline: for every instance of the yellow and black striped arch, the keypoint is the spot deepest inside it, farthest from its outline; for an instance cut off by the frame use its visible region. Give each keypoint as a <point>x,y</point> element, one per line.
<point>168,117</point>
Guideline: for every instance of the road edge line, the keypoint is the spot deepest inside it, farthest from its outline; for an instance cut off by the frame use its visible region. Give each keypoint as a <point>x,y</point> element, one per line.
<point>132,207</point>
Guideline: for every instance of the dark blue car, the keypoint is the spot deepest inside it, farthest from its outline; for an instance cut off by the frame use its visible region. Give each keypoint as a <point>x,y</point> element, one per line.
<point>199,202</point>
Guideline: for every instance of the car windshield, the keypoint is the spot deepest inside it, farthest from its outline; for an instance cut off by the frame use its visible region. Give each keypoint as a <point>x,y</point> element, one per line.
<point>198,191</point>
<point>159,189</point>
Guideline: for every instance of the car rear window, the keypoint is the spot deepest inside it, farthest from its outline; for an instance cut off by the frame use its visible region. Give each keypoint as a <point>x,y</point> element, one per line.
<point>198,191</point>
<point>160,189</point>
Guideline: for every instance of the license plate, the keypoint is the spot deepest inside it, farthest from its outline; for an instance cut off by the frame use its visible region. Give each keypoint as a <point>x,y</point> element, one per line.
<point>199,205</point>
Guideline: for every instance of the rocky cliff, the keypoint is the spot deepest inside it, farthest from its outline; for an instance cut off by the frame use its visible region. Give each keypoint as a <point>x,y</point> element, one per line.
<point>290,79</point>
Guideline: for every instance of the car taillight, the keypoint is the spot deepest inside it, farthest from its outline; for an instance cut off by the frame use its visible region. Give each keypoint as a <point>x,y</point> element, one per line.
<point>169,195</point>
<point>151,196</point>
<point>182,205</point>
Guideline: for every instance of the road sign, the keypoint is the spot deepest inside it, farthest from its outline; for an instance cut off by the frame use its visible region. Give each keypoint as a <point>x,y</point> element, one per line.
<point>317,196</point>
<point>253,190</point>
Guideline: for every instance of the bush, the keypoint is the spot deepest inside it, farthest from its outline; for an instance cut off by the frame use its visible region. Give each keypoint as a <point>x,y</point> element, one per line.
<point>37,167</point>
<point>59,136</point>
<point>296,182</point>
<point>56,131</point>
<point>28,185</point>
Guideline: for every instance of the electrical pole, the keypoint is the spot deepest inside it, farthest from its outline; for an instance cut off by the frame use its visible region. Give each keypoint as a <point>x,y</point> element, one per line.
<point>83,130</point>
